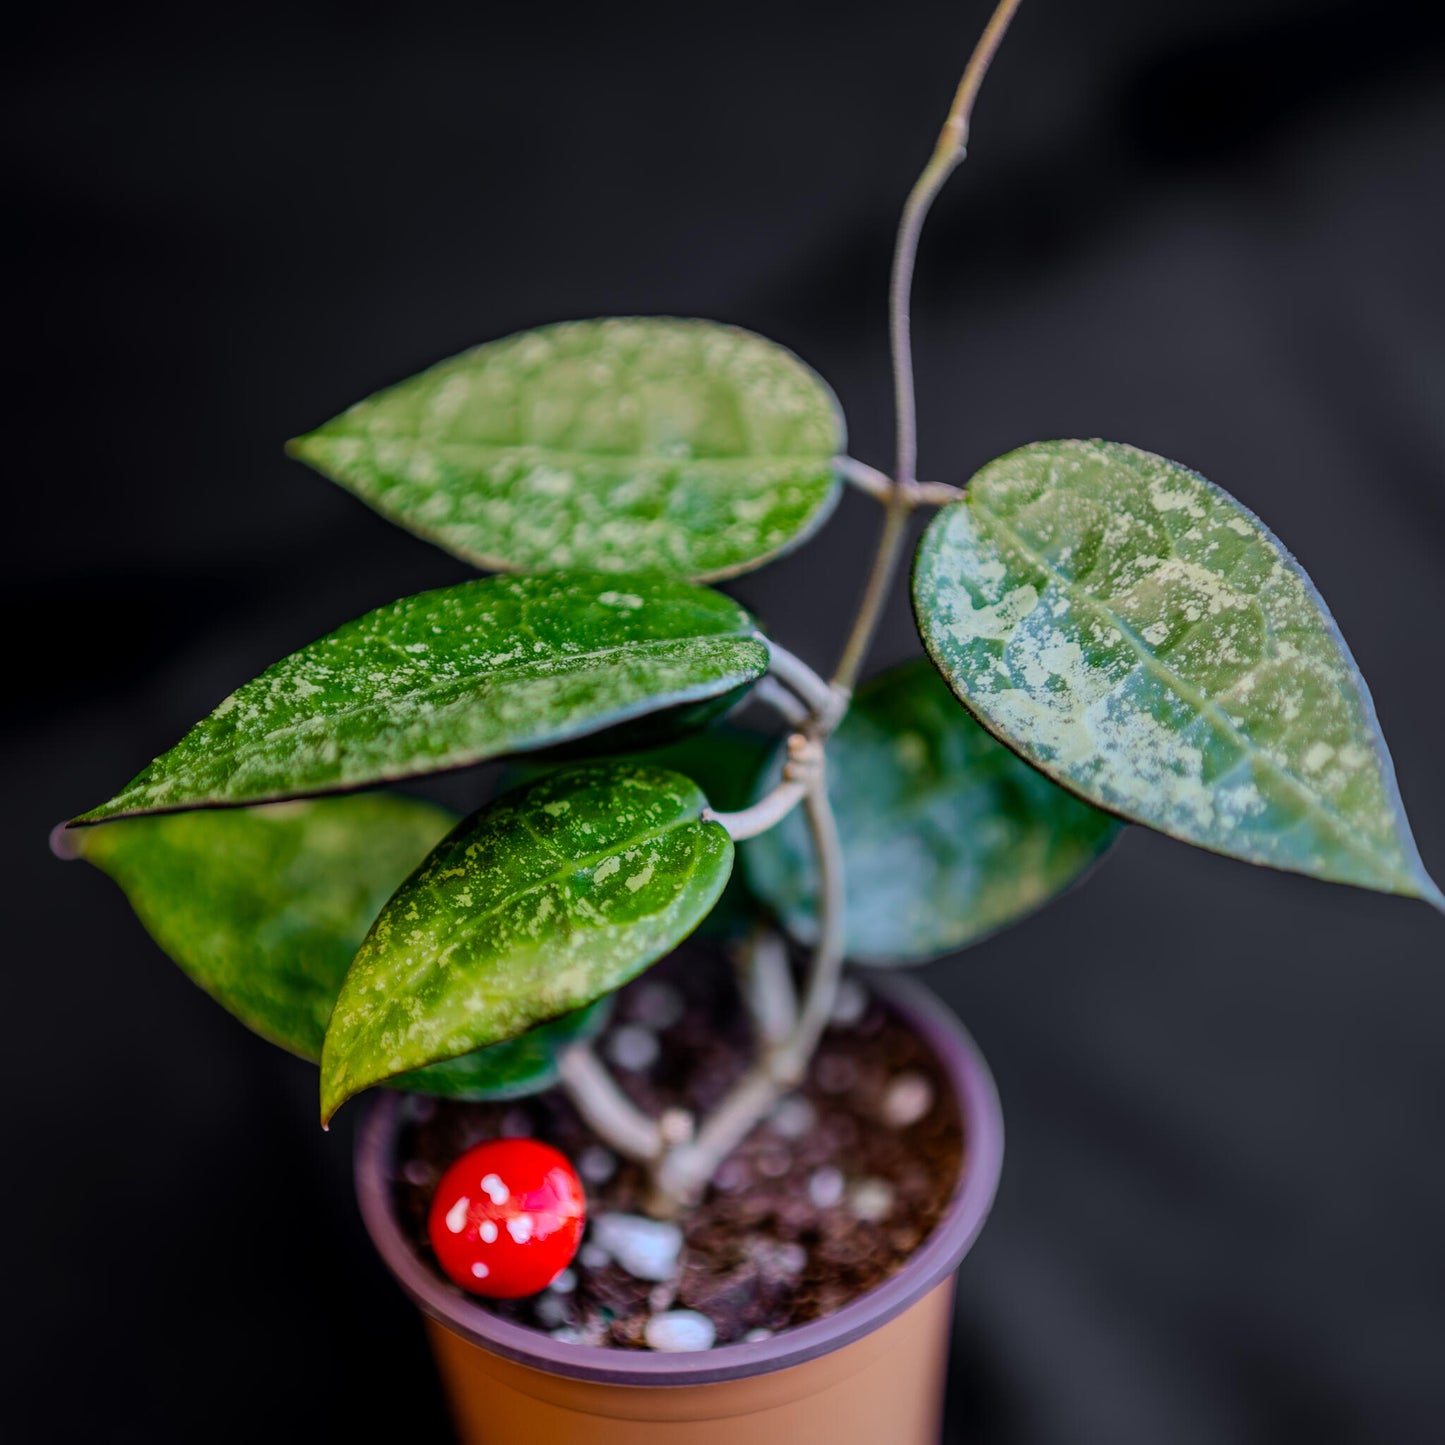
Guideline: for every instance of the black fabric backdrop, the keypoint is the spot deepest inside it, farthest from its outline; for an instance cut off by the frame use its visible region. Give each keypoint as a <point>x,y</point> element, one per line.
<point>1212,227</point>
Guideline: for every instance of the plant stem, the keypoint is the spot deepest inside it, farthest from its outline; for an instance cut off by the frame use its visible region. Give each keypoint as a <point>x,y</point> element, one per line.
<point>949,150</point>
<point>936,494</point>
<point>947,153</point>
<point>879,485</point>
<point>683,1170</point>
<point>612,1116</point>
<point>766,813</point>
<point>867,479</point>
<point>805,759</point>
<point>773,694</point>
<point>683,1173</point>
<point>826,966</point>
<point>766,984</point>
<point>822,700</point>
<point>880,583</point>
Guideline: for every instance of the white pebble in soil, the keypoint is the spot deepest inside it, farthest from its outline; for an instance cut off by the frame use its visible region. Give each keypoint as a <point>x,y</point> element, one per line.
<point>850,1003</point>
<point>679,1330</point>
<point>645,1248</point>
<point>593,1257</point>
<point>793,1116</point>
<point>596,1164</point>
<point>632,1047</point>
<point>565,1283</point>
<point>825,1187</point>
<point>566,1335</point>
<point>551,1311</point>
<point>756,1336</point>
<point>906,1100</point>
<point>871,1200</point>
<point>657,1003</point>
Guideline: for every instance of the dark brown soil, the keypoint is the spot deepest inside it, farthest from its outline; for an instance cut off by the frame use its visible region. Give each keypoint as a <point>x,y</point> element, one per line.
<point>820,1204</point>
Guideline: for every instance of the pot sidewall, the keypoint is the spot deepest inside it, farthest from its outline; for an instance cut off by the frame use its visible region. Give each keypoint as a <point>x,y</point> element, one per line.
<point>933,1263</point>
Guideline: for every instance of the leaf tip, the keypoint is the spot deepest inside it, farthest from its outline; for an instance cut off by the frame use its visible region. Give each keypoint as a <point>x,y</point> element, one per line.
<point>334,1093</point>
<point>63,843</point>
<point>308,449</point>
<point>1430,893</point>
<point>338,1083</point>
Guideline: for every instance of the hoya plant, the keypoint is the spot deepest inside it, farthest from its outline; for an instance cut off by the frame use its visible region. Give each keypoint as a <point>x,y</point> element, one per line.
<point>1107,638</point>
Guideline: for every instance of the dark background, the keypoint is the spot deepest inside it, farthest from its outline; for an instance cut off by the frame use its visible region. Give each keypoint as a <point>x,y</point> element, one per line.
<point>1211,227</point>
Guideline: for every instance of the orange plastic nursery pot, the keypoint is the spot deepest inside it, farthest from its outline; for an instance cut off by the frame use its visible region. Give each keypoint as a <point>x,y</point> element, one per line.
<point>871,1372</point>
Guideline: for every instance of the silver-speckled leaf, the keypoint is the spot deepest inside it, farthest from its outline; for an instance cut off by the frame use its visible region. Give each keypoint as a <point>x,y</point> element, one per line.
<point>947,836</point>
<point>265,907</point>
<point>544,901</point>
<point>1133,631</point>
<point>685,447</point>
<point>726,762</point>
<point>452,677</point>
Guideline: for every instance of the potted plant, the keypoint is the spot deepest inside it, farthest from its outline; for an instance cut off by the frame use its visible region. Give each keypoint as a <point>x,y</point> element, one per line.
<point>1109,637</point>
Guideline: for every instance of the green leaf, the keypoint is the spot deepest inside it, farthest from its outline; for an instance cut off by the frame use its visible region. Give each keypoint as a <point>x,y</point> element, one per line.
<point>685,447</point>
<point>452,677</point>
<point>548,898</point>
<point>525,1065</point>
<point>946,835</point>
<point>726,762</point>
<point>1142,638</point>
<point>264,907</point>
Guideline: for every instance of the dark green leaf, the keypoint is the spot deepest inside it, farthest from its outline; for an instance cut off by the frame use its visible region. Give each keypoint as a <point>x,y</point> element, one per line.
<point>686,447</point>
<point>946,835</point>
<point>451,677</point>
<point>726,762</point>
<point>264,907</point>
<point>1141,637</point>
<point>547,899</point>
<point>524,1065</point>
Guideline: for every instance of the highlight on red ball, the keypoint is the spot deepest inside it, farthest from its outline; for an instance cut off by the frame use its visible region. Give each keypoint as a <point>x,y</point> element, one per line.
<point>507,1217</point>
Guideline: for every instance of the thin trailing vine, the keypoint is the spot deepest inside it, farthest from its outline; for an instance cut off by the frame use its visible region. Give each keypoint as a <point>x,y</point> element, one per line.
<point>903,492</point>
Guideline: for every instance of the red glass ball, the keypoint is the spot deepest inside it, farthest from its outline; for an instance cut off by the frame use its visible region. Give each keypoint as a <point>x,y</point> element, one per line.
<point>507,1218</point>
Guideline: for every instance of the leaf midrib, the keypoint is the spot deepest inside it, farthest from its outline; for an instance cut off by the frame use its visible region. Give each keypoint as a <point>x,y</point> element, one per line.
<point>1216,717</point>
<point>576,455</point>
<point>498,675</point>
<point>566,870</point>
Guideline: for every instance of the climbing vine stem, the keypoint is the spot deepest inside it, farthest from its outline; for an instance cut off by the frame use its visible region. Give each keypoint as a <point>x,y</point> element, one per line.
<point>683,1167</point>
<point>947,153</point>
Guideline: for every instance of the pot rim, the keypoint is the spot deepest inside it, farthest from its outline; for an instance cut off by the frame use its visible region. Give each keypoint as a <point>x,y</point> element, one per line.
<point>932,1263</point>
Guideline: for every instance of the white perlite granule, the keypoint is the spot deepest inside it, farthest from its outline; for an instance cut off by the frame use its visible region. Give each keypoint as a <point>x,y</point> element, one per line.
<point>679,1330</point>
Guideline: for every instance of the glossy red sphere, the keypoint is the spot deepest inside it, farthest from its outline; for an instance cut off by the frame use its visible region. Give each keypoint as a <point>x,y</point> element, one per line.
<point>507,1218</point>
